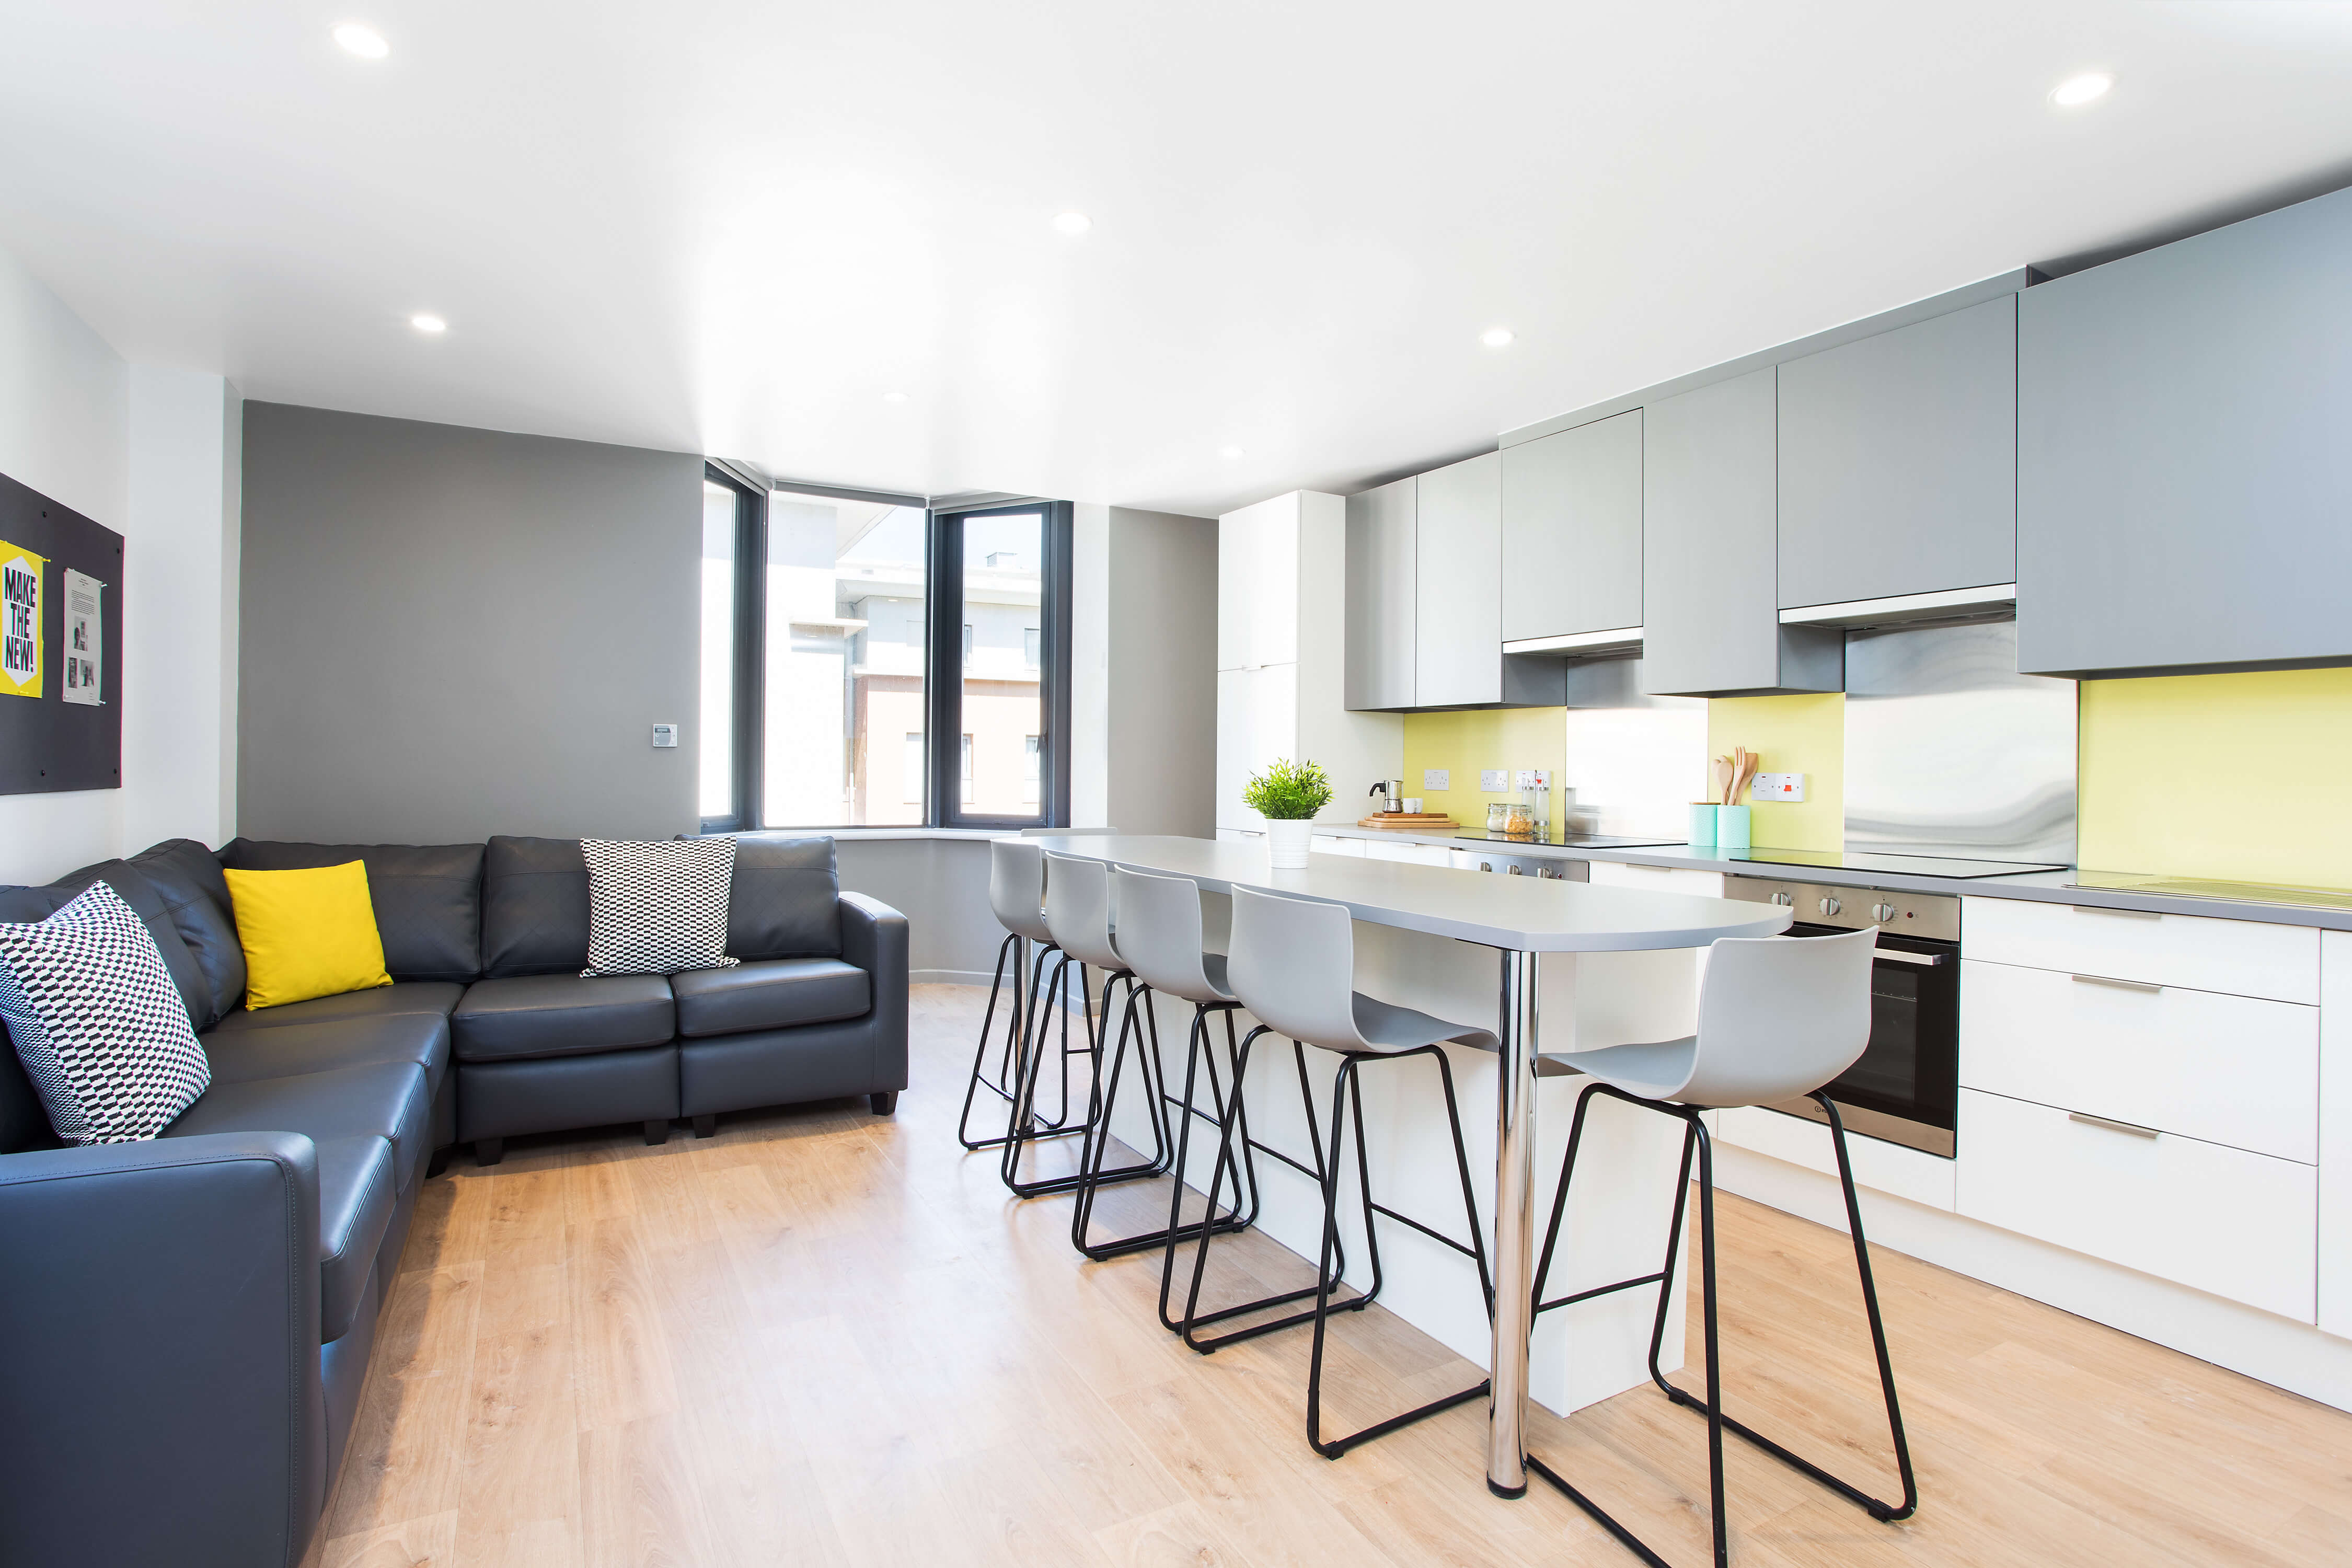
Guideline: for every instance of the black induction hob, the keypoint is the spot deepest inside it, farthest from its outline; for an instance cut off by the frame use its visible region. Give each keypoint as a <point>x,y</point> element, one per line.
<point>1895,864</point>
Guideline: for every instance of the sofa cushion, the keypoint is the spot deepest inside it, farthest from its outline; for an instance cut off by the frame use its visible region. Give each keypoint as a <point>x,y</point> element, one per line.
<point>773,993</point>
<point>399,999</point>
<point>427,898</point>
<point>92,1014</point>
<point>137,891</point>
<point>416,1039</point>
<point>535,908</point>
<point>187,876</point>
<point>560,1016</point>
<point>356,1199</point>
<point>657,906</point>
<point>786,899</point>
<point>389,1099</point>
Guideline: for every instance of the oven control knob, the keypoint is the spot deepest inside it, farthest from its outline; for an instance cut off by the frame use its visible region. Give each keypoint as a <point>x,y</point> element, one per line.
<point>1486,864</point>
<point>1831,906</point>
<point>1882,912</point>
<point>1786,900</point>
<point>1517,870</point>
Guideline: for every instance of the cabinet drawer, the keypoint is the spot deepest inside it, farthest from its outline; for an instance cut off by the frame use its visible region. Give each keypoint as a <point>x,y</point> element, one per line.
<point>2246,958</point>
<point>1657,878</point>
<point>2237,1070</point>
<point>1332,844</point>
<point>2223,1220</point>
<point>1418,853</point>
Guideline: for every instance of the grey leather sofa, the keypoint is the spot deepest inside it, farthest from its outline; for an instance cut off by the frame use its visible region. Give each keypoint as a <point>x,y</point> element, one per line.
<point>185,1324</point>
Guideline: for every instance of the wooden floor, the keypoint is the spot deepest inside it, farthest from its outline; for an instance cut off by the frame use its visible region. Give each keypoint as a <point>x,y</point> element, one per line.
<point>826,1338</point>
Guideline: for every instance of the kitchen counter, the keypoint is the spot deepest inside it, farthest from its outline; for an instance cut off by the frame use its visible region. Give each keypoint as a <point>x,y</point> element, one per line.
<point>2046,887</point>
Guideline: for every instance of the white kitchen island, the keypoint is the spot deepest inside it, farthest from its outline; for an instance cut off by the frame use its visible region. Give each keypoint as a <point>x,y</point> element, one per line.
<point>1485,949</point>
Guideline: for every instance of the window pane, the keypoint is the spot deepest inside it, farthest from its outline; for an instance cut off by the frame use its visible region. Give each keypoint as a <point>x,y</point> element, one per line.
<point>1003,586</point>
<point>718,724</point>
<point>845,663</point>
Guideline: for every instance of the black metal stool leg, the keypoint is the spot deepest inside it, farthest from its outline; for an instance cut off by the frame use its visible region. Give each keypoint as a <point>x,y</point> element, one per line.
<point>1008,1064</point>
<point>1696,1140</point>
<point>1177,1141</point>
<point>1145,1032</point>
<point>1237,1218</point>
<point>1348,1098</point>
<point>1090,1128</point>
<point>1237,1121</point>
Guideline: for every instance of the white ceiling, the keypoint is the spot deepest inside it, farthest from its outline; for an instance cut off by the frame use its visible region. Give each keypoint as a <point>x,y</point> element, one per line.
<point>732,228</point>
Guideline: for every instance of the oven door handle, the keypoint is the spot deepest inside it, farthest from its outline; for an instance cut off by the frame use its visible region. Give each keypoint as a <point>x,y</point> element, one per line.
<point>1896,955</point>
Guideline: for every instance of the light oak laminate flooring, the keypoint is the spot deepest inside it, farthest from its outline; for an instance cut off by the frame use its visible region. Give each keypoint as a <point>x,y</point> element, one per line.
<point>826,1337</point>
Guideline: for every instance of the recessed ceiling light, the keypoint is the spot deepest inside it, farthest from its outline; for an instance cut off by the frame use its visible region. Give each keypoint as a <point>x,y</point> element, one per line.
<point>427,323</point>
<point>1229,451</point>
<point>1073,224</point>
<point>2077,91</point>
<point>894,397</point>
<point>362,41</point>
<point>1496,337</point>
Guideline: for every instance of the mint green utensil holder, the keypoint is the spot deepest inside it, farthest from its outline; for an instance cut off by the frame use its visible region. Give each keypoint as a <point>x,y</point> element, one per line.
<point>1702,823</point>
<point>1732,826</point>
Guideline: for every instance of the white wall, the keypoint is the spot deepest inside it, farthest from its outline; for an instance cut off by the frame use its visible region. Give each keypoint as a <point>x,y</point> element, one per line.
<point>179,673</point>
<point>153,455</point>
<point>1160,603</point>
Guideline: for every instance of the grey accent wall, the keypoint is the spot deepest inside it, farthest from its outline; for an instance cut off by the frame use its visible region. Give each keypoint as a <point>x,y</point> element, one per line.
<point>448,632</point>
<point>1163,673</point>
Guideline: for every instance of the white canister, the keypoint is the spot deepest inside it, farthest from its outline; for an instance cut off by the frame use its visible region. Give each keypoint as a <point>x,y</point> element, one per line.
<point>1287,844</point>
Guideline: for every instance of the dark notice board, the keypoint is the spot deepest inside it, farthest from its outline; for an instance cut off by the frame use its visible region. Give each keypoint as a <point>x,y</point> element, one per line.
<point>46,743</point>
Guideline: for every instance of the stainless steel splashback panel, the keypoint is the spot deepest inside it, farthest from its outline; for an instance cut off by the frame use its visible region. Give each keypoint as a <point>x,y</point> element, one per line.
<point>1949,751</point>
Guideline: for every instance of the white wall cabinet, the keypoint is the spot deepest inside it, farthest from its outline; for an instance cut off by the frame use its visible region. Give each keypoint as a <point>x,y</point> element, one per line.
<point>1281,649</point>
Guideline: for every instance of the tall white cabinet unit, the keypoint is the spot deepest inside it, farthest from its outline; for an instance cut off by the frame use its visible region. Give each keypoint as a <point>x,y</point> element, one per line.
<point>1282,658</point>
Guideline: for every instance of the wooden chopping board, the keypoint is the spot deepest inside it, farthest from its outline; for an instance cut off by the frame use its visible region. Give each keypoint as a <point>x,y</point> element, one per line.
<point>1409,821</point>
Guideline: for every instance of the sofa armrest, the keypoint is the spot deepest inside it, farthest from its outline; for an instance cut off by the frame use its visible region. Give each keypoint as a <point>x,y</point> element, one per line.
<point>874,938</point>
<point>160,1398</point>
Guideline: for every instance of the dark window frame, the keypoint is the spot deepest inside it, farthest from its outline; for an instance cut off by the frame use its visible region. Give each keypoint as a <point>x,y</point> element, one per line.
<point>943,660</point>
<point>944,663</point>
<point>750,632</point>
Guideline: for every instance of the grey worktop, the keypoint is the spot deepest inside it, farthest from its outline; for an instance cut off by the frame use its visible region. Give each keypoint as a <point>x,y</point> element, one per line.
<point>1524,914</point>
<point>2045,886</point>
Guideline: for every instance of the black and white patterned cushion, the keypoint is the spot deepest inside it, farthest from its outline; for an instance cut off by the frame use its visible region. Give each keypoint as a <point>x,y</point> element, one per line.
<point>98,1023</point>
<point>657,906</point>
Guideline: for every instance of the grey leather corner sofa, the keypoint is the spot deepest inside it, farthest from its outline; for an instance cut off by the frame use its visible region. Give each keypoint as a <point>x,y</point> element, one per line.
<point>185,1324</point>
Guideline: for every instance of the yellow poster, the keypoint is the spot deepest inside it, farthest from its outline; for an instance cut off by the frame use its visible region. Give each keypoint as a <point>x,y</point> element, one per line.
<point>20,621</point>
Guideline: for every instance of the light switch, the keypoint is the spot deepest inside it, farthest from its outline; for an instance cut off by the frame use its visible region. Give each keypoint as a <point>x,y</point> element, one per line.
<point>1495,781</point>
<point>665,735</point>
<point>1777,786</point>
<point>1435,778</point>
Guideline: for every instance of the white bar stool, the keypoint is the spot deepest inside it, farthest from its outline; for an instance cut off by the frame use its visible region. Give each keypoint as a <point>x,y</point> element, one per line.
<point>1158,936</point>
<point>1016,896</point>
<point>1293,964</point>
<point>1778,1019</point>
<point>1078,916</point>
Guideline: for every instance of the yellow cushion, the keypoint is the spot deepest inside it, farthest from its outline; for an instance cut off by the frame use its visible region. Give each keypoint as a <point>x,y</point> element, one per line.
<point>306,933</point>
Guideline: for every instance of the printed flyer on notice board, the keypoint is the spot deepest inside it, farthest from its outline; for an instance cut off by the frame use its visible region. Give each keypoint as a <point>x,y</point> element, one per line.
<point>85,638</point>
<point>20,621</point>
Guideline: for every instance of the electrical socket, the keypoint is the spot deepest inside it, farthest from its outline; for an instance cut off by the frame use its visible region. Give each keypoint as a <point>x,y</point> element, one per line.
<point>1777,786</point>
<point>1435,778</point>
<point>1493,781</point>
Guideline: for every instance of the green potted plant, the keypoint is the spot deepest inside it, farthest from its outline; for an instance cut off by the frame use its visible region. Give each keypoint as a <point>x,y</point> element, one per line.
<point>1288,794</point>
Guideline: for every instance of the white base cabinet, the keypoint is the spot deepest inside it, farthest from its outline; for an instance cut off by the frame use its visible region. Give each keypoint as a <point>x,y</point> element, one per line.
<point>2336,1132</point>
<point>2237,1224</point>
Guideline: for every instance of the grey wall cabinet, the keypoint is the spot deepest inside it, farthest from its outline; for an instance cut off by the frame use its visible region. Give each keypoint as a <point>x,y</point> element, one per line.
<point>1383,525</point>
<point>1899,461</point>
<point>1710,600</point>
<point>1572,531</point>
<point>1458,658</point>
<point>2184,466</point>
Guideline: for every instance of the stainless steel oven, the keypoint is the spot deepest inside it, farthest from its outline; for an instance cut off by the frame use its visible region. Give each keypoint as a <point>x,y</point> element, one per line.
<point>1905,1087</point>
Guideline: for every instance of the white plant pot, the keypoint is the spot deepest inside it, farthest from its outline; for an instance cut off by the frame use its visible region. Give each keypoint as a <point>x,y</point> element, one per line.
<point>1286,845</point>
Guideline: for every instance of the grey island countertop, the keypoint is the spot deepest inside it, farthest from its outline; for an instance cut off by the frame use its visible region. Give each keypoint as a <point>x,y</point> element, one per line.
<point>1523,914</point>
